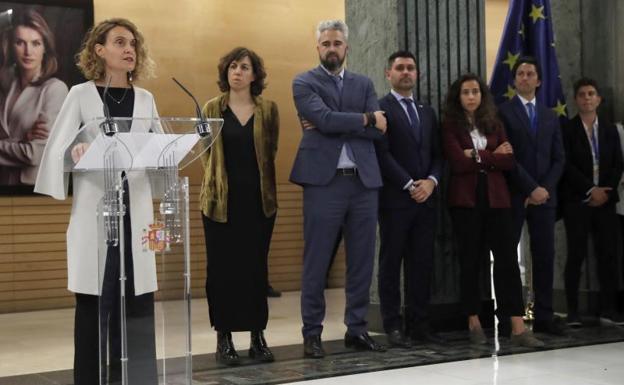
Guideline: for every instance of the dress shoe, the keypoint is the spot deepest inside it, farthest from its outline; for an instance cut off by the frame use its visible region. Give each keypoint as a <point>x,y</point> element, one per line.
<point>613,318</point>
<point>477,336</point>
<point>425,335</point>
<point>362,342</point>
<point>397,339</point>
<point>526,339</point>
<point>554,327</point>
<point>312,347</point>
<point>258,350</point>
<point>226,354</point>
<point>573,320</point>
<point>272,293</point>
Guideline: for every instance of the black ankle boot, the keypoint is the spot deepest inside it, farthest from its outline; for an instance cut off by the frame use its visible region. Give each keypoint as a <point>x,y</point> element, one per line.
<point>258,350</point>
<point>226,354</point>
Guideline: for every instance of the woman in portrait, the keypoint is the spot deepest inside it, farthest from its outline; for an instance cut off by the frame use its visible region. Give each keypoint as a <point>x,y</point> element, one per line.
<point>114,54</point>
<point>478,153</point>
<point>30,97</point>
<point>238,203</point>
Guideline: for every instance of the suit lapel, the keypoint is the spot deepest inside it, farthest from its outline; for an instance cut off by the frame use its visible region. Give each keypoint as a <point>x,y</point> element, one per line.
<point>583,143</point>
<point>330,86</point>
<point>400,113</point>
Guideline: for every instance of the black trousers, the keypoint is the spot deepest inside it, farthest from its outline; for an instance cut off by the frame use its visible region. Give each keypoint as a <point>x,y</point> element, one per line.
<point>541,224</point>
<point>601,222</point>
<point>97,331</point>
<point>482,229</point>
<point>407,237</point>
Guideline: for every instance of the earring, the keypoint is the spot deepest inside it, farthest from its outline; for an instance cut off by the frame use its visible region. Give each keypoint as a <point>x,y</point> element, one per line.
<point>130,76</point>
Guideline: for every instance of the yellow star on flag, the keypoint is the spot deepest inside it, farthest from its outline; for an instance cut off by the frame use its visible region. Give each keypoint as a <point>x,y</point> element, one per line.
<point>511,92</point>
<point>537,13</point>
<point>511,59</point>
<point>560,109</point>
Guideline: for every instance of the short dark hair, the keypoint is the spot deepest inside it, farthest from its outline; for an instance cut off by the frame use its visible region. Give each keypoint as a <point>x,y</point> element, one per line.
<point>257,65</point>
<point>583,82</point>
<point>403,54</point>
<point>527,60</point>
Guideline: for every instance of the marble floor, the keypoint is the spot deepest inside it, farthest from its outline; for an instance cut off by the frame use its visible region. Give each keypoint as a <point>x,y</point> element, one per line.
<point>36,348</point>
<point>588,365</point>
<point>46,337</point>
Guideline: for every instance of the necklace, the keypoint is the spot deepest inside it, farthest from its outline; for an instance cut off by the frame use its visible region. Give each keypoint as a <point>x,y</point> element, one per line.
<point>120,99</point>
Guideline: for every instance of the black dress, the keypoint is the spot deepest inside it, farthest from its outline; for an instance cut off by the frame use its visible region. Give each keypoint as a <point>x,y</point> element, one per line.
<point>236,281</point>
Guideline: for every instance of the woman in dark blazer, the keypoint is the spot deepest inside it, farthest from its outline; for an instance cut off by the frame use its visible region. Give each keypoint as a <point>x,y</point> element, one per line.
<point>239,204</point>
<point>478,152</point>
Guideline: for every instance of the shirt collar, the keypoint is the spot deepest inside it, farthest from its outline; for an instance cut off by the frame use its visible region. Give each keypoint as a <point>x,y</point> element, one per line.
<point>525,101</point>
<point>400,97</point>
<point>340,74</point>
<point>594,124</point>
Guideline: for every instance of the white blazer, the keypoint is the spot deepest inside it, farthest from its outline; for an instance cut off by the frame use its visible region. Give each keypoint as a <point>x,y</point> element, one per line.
<point>19,159</point>
<point>83,103</point>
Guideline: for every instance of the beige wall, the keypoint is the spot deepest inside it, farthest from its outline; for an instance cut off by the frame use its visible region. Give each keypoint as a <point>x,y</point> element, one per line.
<point>495,14</point>
<point>187,37</point>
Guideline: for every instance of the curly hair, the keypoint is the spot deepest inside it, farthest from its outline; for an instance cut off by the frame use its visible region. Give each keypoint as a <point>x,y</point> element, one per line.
<point>93,67</point>
<point>485,118</point>
<point>257,65</point>
<point>33,20</point>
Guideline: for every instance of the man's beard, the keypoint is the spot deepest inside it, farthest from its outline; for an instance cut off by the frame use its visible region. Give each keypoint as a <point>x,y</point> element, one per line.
<point>330,63</point>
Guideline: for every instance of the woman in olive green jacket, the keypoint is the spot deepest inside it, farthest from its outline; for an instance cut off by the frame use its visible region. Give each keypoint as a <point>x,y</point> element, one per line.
<point>238,203</point>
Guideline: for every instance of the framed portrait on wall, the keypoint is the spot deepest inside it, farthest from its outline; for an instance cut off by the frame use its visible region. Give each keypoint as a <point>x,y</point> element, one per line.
<point>38,44</point>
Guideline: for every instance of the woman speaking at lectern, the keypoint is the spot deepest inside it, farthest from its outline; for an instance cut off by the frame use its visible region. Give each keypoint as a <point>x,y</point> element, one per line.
<point>113,51</point>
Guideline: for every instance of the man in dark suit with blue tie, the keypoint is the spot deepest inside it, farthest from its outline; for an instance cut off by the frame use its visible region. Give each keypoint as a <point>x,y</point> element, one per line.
<point>337,167</point>
<point>535,135</point>
<point>411,162</point>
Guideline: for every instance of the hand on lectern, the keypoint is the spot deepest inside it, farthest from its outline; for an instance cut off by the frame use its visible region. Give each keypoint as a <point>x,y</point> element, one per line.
<point>78,151</point>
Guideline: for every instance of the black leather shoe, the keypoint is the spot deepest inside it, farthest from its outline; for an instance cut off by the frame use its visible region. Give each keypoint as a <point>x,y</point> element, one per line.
<point>226,354</point>
<point>397,339</point>
<point>312,347</point>
<point>425,335</point>
<point>363,342</point>
<point>553,326</point>
<point>258,349</point>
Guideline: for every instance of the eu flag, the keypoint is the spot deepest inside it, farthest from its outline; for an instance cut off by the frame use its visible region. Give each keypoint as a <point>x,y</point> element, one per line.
<point>528,32</point>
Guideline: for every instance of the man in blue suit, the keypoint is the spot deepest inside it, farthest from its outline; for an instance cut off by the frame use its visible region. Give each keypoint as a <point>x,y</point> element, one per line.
<point>337,167</point>
<point>411,163</point>
<point>535,135</point>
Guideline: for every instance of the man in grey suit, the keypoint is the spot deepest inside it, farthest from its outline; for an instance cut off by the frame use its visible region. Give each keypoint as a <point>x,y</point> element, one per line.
<point>337,167</point>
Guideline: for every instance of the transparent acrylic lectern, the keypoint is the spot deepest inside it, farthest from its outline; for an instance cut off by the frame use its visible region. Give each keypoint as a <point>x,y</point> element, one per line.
<point>130,168</point>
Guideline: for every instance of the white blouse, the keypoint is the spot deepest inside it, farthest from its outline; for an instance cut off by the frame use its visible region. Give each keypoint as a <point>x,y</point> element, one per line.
<point>479,141</point>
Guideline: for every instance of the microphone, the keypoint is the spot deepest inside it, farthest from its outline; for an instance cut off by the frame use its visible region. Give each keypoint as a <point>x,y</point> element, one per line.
<point>203,127</point>
<point>109,127</point>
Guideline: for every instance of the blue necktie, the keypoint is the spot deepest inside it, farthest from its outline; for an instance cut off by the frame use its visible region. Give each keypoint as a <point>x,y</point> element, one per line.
<point>338,81</point>
<point>411,111</point>
<point>594,144</point>
<point>532,119</point>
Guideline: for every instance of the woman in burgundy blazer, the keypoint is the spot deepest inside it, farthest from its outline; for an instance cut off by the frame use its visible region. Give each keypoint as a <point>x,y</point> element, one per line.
<point>478,152</point>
